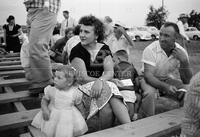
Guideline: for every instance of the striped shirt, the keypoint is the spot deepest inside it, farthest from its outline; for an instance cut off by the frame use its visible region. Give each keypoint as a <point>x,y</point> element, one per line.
<point>54,5</point>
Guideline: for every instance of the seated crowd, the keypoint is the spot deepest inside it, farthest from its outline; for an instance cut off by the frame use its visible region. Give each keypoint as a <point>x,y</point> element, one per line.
<point>112,90</point>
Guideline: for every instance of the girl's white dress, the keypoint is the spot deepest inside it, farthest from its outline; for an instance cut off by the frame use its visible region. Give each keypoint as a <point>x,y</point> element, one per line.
<point>65,119</point>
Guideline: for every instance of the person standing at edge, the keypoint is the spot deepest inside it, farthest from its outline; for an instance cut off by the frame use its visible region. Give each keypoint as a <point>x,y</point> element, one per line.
<point>68,22</point>
<point>183,25</point>
<point>41,20</point>
<point>12,32</point>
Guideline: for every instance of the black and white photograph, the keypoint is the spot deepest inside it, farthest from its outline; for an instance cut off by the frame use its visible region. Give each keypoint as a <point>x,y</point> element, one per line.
<point>100,68</point>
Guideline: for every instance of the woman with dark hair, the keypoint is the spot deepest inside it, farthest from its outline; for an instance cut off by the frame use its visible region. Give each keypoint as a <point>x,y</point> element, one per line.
<point>93,62</point>
<point>11,33</point>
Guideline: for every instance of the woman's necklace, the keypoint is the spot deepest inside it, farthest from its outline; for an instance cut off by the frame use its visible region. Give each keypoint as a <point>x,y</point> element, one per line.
<point>94,51</point>
<point>10,27</point>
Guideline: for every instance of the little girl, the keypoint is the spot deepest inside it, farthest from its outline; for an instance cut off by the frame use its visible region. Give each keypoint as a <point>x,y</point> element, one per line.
<point>58,116</point>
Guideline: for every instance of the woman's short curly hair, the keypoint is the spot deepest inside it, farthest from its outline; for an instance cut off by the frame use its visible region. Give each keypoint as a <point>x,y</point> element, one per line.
<point>11,17</point>
<point>98,26</point>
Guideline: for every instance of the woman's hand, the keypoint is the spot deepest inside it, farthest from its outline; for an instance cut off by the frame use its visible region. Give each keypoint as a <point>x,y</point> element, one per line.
<point>97,88</point>
<point>46,114</point>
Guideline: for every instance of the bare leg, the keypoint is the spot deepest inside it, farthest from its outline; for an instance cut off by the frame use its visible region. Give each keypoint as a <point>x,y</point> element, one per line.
<point>131,109</point>
<point>120,110</point>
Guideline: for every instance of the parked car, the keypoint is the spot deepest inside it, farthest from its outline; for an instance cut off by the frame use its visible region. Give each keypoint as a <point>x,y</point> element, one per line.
<point>153,30</point>
<point>193,33</point>
<point>138,34</point>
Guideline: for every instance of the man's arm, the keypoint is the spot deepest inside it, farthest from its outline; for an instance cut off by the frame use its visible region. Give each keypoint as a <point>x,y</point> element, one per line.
<point>149,72</point>
<point>185,69</point>
<point>185,72</point>
<point>127,36</point>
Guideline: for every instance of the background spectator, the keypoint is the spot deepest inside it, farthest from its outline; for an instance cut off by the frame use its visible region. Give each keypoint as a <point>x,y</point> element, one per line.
<point>11,35</point>
<point>67,22</point>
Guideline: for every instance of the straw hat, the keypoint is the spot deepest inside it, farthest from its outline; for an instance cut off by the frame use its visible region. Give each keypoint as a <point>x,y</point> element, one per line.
<point>183,15</point>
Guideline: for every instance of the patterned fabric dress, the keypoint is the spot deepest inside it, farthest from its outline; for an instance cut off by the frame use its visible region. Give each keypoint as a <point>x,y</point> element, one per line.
<point>109,89</point>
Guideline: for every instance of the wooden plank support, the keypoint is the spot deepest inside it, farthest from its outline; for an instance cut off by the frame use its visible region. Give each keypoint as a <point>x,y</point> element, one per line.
<point>18,105</point>
<point>13,67</point>
<point>8,55</point>
<point>10,63</point>
<point>154,126</point>
<point>9,59</point>
<point>25,135</point>
<point>14,97</point>
<point>14,82</point>
<point>17,119</point>
<point>11,73</point>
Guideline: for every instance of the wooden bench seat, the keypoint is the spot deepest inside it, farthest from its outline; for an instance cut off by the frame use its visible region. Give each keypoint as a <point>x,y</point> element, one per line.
<point>14,82</point>
<point>12,67</point>
<point>9,55</point>
<point>15,96</point>
<point>4,63</point>
<point>154,126</point>
<point>17,119</point>
<point>12,73</point>
<point>33,132</point>
<point>25,135</point>
<point>9,59</point>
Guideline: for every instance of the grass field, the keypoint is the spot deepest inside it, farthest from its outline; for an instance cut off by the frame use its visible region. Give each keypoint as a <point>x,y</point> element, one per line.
<point>193,48</point>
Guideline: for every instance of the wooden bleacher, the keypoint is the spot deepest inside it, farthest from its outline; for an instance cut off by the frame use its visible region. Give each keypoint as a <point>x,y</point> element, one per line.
<point>155,126</point>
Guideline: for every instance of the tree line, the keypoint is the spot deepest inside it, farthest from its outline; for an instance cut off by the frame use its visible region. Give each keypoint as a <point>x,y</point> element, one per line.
<point>157,17</point>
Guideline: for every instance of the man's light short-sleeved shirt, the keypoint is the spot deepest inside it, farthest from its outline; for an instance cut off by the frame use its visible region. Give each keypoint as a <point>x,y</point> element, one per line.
<point>165,66</point>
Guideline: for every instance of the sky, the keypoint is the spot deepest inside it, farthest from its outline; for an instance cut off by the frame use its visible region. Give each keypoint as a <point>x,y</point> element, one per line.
<point>129,12</point>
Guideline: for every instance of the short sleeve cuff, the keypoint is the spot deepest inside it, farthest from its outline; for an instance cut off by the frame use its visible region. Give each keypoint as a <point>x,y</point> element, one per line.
<point>149,62</point>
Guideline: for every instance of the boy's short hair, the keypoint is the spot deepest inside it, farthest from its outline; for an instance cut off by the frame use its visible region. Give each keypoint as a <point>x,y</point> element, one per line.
<point>121,54</point>
<point>68,30</point>
<point>66,11</point>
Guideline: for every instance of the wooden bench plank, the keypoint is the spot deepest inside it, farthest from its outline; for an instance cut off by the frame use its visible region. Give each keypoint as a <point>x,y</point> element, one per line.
<point>13,67</point>
<point>10,63</point>
<point>9,59</point>
<point>17,119</point>
<point>12,73</point>
<point>153,126</point>
<point>14,82</point>
<point>13,97</point>
<point>12,55</point>
<point>25,135</point>
<point>18,105</point>
<point>16,96</point>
